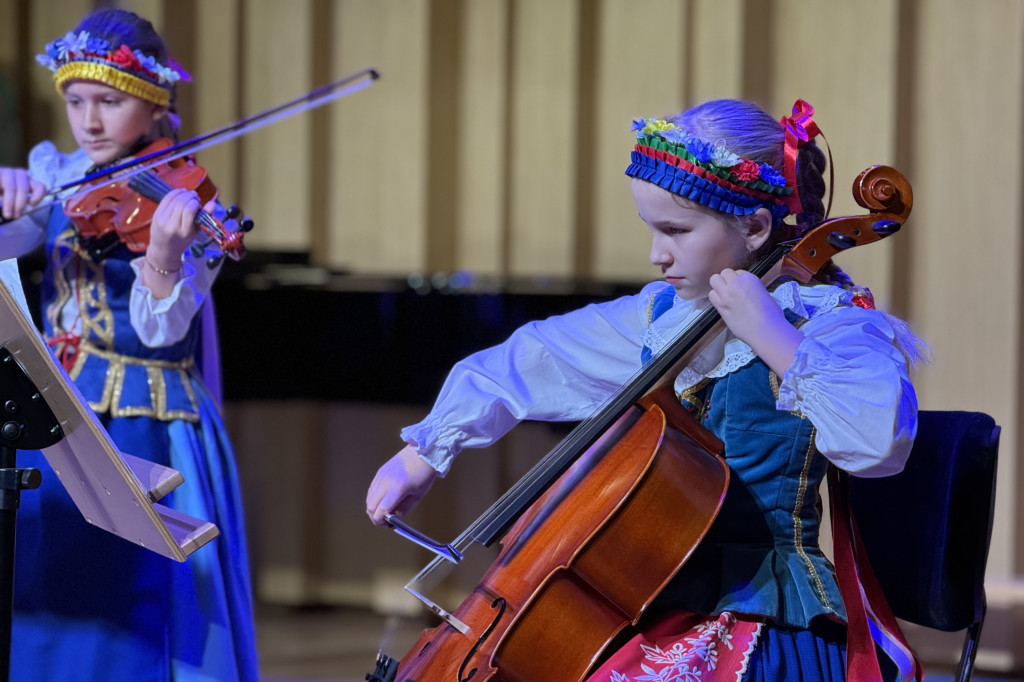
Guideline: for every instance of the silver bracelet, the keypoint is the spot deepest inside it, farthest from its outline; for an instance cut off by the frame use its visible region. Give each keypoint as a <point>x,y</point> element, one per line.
<point>161,271</point>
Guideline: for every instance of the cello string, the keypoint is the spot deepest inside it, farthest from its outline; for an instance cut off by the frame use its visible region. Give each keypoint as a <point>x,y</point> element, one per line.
<point>541,475</point>
<point>495,520</point>
<point>509,506</point>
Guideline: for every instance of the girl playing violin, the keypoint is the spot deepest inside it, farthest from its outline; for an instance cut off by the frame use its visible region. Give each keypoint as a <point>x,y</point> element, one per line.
<point>135,330</point>
<point>804,376</point>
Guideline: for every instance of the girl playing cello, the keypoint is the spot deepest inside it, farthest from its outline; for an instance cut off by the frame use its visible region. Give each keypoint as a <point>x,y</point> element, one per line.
<point>132,328</point>
<point>803,376</point>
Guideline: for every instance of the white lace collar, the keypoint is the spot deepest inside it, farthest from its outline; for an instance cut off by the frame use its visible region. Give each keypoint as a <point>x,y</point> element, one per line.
<point>726,353</point>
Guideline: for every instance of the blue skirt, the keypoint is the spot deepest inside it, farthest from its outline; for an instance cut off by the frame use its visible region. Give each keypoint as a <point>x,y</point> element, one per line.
<point>91,606</point>
<point>792,655</point>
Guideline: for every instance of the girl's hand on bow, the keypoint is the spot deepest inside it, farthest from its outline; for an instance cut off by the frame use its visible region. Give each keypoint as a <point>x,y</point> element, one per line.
<point>18,190</point>
<point>755,318</point>
<point>399,485</point>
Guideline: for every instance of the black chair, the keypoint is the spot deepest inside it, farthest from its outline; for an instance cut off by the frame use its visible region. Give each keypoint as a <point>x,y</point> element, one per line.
<point>927,530</point>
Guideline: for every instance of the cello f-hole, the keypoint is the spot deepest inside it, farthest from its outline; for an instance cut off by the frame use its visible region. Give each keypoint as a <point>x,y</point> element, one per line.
<point>463,677</point>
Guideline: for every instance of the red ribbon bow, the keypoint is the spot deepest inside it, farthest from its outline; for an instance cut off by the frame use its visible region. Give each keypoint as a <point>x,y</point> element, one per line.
<point>800,129</point>
<point>799,123</point>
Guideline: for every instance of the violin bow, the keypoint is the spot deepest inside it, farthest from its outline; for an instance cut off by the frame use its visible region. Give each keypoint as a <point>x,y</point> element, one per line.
<point>311,100</point>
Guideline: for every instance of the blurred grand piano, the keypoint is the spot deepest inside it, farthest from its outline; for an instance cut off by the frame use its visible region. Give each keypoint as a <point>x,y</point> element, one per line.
<point>289,330</point>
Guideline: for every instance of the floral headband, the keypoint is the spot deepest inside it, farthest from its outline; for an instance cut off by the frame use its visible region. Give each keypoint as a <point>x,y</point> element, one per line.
<point>711,175</point>
<point>82,57</point>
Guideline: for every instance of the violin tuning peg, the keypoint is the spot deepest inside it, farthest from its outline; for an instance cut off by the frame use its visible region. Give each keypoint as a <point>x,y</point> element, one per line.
<point>233,211</point>
<point>214,261</point>
<point>196,249</point>
<point>246,225</point>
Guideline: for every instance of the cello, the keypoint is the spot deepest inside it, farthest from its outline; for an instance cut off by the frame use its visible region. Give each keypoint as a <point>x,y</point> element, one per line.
<point>581,553</point>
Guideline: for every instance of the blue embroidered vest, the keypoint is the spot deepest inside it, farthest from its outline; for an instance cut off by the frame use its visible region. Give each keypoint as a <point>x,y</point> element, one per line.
<point>761,555</point>
<point>113,369</point>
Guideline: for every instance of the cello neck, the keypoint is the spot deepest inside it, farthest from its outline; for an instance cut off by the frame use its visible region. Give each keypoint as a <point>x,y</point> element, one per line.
<point>691,341</point>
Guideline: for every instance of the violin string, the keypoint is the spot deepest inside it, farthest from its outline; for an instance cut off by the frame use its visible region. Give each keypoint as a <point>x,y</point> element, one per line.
<point>156,188</point>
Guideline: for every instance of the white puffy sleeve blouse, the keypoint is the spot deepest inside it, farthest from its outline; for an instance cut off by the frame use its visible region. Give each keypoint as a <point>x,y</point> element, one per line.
<point>849,377</point>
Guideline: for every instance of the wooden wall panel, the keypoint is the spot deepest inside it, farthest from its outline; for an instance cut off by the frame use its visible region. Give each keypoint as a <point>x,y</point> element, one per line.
<point>840,58</point>
<point>542,147</point>
<point>966,263</point>
<point>216,92</point>
<point>276,173</point>
<point>716,50</point>
<point>482,166</point>
<point>631,83</point>
<point>9,15</point>
<point>13,55</point>
<point>46,24</point>
<point>378,166</point>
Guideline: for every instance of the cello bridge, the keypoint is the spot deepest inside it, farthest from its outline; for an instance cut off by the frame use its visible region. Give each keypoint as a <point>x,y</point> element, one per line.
<point>440,612</point>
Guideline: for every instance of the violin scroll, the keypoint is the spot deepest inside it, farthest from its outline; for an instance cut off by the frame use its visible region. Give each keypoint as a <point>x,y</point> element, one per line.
<point>229,242</point>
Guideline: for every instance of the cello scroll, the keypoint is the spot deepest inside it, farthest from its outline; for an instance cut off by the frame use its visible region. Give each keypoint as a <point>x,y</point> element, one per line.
<point>888,197</point>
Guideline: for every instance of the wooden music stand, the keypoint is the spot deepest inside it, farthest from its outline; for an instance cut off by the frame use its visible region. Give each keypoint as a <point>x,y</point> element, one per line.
<point>40,407</point>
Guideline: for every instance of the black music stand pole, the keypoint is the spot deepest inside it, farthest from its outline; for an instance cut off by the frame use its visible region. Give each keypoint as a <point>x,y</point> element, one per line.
<point>118,492</point>
<point>26,422</point>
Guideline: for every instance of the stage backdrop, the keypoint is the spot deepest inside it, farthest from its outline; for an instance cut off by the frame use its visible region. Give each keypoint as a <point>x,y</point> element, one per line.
<point>494,144</point>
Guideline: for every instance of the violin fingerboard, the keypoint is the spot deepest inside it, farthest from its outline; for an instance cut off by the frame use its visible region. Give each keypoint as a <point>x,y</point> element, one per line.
<point>149,185</point>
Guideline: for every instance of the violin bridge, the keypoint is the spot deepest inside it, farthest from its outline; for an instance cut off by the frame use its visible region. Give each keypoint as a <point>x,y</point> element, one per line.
<point>439,612</point>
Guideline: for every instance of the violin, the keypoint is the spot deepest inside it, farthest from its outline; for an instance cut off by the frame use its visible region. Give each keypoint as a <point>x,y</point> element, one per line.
<point>120,201</point>
<point>124,206</point>
<point>581,553</point>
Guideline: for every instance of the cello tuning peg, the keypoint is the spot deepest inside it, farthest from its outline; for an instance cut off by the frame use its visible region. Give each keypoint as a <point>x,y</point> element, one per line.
<point>841,241</point>
<point>246,225</point>
<point>886,227</point>
<point>233,211</point>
